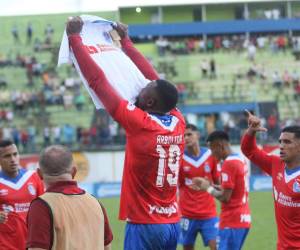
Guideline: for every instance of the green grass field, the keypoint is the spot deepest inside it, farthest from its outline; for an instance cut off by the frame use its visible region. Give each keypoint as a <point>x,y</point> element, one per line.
<point>262,235</point>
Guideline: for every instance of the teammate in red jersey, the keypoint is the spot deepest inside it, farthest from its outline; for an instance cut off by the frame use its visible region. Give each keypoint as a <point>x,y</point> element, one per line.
<point>235,216</point>
<point>154,132</point>
<point>285,173</point>
<point>18,187</point>
<point>198,208</point>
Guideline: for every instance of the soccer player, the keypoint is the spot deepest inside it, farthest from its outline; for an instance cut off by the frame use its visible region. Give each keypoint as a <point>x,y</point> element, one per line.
<point>154,149</point>
<point>285,172</point>
<point>18,187</point>
<point>198,208</point>
<point>65,216</point>
<point>235,216</point>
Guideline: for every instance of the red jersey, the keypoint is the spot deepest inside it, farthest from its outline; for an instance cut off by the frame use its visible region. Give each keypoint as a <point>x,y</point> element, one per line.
<point>197,204</point>
<point>154,146</point>
<point>286,189</point>
<point>15,197</point>
<point>154,152</point>
<point>234,175</point>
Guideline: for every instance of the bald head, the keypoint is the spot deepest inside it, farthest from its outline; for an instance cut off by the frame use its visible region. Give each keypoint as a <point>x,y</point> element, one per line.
<point>56,160</point>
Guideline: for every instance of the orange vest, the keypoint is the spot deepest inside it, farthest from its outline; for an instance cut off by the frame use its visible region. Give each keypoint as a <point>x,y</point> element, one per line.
<point>77,221</point>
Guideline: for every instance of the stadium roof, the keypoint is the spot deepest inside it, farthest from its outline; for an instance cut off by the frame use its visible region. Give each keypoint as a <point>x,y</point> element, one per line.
<point>34,7</point>
<point>134,3</point>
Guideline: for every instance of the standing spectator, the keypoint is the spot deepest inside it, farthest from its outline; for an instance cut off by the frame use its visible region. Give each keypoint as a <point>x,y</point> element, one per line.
<point>15,34</point>
<point>204,68</point>
<point>24,139</point>
<point>29,33</point>
<point>48,34</point>
<point>51,217</point>
<point>235,218</point>
<point>212,67</point>
<point>15,136</point>
<point>31,138</point>
<point>18,188</point>
<point>251,52</point>
<point>56,131</point>
<point>47,136</point>
<point>277,81</point>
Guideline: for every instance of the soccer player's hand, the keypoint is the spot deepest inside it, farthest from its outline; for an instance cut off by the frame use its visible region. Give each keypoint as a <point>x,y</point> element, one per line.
<point>254,124</point>
<point>200,184</point>
<point>122,29</point>
<point>3,216</point>
<point>74,25</point>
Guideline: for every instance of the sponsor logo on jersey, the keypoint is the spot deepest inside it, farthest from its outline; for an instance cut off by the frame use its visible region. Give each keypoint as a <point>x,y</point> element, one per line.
<point>172,209</point>
<point>3,192</point>
<point>31,189</point>
<point>7,208</point>
<point>22,207</point>
<point>188,181</point>
<point>296,187</point>
<point>206,168</point>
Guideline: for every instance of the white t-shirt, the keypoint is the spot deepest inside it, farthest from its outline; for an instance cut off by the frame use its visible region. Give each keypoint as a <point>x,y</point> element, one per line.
<point>120,71</point>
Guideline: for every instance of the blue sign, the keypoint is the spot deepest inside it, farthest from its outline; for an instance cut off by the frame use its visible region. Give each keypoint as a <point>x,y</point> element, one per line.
<point>260,183</point>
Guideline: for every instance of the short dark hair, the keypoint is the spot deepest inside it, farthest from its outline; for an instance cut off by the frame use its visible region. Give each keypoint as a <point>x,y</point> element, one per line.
<point>168,94</point>
<point>55,160</point>
<point>218,135</point>
<point>292,129</point>
<point>6,143</point>
<point>191,127</point>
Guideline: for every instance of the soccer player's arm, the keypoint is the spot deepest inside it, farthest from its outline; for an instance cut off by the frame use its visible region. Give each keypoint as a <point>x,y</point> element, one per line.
<point>216,174</point>
<point>228,178</point>
<point>138,59</point>
<point>108,235</point>
<point>181,174</point>
<point>95,76</point>
<point>256,155</point>
<point>39,226</point>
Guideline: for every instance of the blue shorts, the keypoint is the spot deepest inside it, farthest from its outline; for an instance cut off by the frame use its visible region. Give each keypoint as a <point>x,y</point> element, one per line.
<point>151,236</point>
<point>208,230</point>
<point>232,238</point>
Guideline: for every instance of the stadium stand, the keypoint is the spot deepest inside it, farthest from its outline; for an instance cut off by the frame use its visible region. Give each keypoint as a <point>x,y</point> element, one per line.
<point>233,61</point>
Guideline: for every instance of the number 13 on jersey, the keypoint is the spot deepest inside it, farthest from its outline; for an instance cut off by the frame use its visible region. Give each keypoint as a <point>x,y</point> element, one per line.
<point>168,165</point>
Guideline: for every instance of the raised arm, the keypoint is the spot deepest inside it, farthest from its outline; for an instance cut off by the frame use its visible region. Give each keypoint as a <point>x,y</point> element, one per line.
<point>91,71</point>
<point>249,146</point>
<point>138,59</point>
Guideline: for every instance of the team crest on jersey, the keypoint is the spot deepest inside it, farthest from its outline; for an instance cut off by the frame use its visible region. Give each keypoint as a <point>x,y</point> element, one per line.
<point>3,192</point>
<point>296,187</point>
<point>279,176</point>
<point>31,189</point>
<point>130,106</point>
<point>206,168</point>
<point>224,177</point>
<point>186,168</point>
